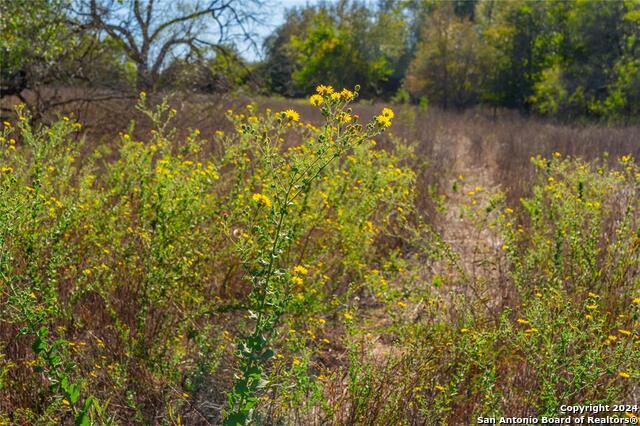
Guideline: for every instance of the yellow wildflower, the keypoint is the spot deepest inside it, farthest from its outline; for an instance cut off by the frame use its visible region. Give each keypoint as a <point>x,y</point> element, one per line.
<point>315,100</point>
<point>522,321</point>
<point>346,94</point>
<point>440,388</point>
<point>383,121</point>
<point>624,332</point>
<point>262,199</point>
<point>345,118</point>
<point>624,375</point>
<point>348,316</point>
<point>324,90</point>
<point>300,270</point>
<point>387,112</point>
<point>292,115</point>
<point>297,280</point>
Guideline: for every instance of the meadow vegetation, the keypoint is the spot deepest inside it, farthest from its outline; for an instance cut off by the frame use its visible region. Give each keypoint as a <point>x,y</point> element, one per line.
<point>283,271</point>
<point>395,213</point>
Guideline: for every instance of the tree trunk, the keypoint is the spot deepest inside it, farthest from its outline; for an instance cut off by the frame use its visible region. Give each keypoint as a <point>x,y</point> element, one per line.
<point>144,80</point>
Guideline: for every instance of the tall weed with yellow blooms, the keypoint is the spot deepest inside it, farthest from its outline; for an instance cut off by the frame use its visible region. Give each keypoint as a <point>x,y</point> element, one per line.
<point>288,184</point>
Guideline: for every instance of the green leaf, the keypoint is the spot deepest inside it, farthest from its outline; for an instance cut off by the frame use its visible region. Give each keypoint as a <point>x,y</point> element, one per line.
<point>73,393</point>
<point>39,345</point>
<point>236,419</point>
<point>64,385</point>
<point>266,354</point>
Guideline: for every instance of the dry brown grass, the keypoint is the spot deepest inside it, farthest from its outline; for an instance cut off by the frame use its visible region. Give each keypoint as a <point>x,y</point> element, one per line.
<point>502,144</point>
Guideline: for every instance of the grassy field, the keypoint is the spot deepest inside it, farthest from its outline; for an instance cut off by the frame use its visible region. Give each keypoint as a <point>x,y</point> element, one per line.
<point>301,262</point>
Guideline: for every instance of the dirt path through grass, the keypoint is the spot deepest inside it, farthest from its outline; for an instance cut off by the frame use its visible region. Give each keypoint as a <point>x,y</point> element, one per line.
<point>470,186</point>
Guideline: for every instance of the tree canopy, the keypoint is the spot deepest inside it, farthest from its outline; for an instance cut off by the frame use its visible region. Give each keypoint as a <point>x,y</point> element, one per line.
<point>570,58</point>
<point>566,58</point>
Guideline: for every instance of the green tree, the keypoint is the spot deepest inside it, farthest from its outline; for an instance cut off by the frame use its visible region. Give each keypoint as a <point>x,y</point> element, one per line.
<point>521,40</point>
<point>41,55</point>
<point>590,63</point>
<point>34,35</point>
<point>624,90</point>
<point>448,64</point>
<point>342,45</point>
<point>281,57</point>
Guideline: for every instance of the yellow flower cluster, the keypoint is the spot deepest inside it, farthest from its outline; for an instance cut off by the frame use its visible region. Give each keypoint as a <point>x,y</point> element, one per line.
<point>297,272</point>
<point>385,117</point>
<point>322,90</point>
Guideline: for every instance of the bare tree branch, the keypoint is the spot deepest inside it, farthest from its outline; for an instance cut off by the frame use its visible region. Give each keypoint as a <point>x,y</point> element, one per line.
<point>152,32</point>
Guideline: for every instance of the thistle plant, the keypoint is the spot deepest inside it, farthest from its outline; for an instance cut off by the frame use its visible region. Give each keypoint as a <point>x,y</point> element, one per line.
<point>291,176</point>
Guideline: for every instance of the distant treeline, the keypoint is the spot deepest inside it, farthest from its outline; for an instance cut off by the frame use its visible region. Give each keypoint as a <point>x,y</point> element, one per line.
<point>569,58</point>
<point>577,57</point>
